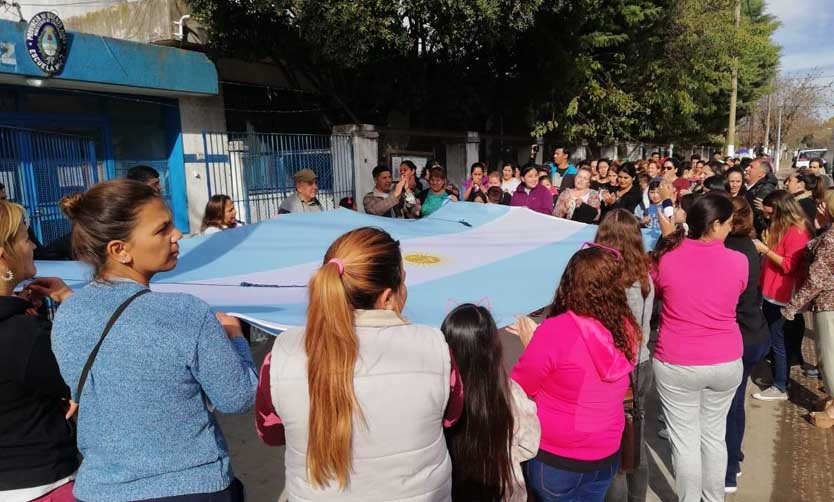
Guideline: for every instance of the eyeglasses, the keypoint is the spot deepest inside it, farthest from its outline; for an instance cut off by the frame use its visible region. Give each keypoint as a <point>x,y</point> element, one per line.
<point>668,168</point>
<point>614,252</point>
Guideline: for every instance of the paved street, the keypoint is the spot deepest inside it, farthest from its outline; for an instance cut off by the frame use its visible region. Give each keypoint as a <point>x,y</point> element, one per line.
<point>786,459</point>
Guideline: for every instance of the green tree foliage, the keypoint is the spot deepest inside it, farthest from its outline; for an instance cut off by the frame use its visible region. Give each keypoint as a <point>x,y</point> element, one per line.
<point>595,70</point>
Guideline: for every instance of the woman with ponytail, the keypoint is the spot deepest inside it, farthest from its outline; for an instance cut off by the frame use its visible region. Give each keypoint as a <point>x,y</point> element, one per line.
<point>697,360</point>
<point>359,393</point>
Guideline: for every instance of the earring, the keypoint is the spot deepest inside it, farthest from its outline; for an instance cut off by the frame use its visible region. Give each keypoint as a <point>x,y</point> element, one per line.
<point>8,276</point>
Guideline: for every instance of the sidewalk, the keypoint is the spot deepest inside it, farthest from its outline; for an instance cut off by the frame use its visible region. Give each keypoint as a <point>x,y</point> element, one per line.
<point>786,458</point>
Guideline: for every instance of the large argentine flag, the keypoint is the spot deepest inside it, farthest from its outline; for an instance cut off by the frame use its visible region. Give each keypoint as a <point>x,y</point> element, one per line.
<point>508,259</point>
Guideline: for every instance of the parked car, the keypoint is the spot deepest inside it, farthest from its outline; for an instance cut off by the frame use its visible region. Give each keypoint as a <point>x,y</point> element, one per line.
<point>804,156</point>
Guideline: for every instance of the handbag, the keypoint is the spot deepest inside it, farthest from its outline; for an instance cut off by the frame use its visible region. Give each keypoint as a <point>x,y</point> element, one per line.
<point>92,357</point>
<point>633,431</point>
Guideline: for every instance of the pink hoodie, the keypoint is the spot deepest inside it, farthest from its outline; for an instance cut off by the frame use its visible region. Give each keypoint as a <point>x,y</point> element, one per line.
<point>578,379</point>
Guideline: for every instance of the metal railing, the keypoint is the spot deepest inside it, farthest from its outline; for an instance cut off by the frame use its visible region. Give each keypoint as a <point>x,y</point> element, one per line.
<point>38,168</point>
<point>256,169</point>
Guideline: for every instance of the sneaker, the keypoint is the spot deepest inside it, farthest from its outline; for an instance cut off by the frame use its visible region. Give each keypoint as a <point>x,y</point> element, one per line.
<point>812,372</point>
<point>738,473</point>
<point>730,489</point>
<point>771,394</point>
<point>663,433</point>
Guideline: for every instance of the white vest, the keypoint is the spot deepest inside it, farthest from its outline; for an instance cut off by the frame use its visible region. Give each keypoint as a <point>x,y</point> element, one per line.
<point>402,385</point>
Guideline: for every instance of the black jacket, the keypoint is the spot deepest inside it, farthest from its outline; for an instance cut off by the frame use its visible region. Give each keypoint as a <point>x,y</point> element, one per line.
<point>760,190</point>
<point>749,314</point>
<point>37,444</point>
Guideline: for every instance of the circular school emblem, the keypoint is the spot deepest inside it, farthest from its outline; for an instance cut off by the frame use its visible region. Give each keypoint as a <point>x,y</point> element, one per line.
<point>46,42</point>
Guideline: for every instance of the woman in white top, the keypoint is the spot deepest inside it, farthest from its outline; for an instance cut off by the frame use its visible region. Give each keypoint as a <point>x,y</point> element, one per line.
<point>220,215</point>
<point>509,182</point>
<point>580,203</point>
<point>359,394</point>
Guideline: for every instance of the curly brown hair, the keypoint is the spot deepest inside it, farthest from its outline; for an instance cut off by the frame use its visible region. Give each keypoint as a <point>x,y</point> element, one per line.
<point>585,289</point>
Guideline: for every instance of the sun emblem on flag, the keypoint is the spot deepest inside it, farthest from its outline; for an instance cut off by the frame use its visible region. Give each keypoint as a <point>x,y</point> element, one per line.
<point>422,259</point>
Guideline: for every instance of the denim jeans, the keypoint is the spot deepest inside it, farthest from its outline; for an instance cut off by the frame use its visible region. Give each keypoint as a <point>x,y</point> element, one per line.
<point>736,417</point>
<point>776,323</point>
<point>557,485</point>
<point>794,335</point>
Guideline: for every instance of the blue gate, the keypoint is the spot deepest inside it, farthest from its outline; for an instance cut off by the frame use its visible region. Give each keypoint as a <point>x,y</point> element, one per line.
<point>39,168</point>
<point>256,169</point>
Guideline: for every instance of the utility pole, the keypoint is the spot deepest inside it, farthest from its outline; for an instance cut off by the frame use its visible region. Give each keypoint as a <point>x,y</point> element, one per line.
<point>778,139</point>
<point>731,129</point>
<point>767,125</point>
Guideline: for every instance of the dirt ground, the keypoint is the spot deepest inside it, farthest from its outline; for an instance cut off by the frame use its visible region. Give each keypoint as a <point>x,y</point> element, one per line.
<point>786,458</point>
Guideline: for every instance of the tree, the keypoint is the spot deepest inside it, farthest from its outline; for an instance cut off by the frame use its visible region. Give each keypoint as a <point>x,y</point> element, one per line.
<point>660,71</point>
<point>803,100</point>
<point>579,70</point>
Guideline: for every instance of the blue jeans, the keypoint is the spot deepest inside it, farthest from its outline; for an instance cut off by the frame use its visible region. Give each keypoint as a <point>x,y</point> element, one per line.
<point>557,485</point>
<point>736,416</point>
<point>776,323</point>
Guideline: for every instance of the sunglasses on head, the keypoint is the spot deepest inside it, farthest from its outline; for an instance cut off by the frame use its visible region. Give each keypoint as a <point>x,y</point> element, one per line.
<point>614,252</point>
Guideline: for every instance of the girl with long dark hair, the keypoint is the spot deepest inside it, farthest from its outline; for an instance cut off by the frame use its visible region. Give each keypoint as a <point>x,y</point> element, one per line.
<point>498,428</point>
<point>697,359</point>
<point>783,252</point>
<point>576,367</point>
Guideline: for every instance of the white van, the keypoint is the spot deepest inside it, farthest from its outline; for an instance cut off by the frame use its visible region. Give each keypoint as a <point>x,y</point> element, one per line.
<point>804,156</point>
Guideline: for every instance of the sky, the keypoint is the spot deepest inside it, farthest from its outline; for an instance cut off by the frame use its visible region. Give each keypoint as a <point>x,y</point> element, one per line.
<point>806,37</point>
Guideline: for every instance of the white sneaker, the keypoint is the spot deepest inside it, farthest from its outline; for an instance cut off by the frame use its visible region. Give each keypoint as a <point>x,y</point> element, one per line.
<point>771,394</point>
<point>730,489</point>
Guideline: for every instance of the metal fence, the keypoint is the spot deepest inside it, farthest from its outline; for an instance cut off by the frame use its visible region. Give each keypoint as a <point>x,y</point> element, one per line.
<point>39,168</point>
<point>256,169</point>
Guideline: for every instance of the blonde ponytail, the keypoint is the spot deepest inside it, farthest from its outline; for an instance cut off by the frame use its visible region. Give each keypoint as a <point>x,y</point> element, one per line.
<point>358,268</point>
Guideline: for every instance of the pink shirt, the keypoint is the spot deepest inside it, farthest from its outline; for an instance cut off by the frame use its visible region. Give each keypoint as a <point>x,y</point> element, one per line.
<point>578,379</point>
<point>699,284</point>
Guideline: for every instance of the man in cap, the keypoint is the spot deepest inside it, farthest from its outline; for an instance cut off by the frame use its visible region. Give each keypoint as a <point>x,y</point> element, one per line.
<point>304,200</point>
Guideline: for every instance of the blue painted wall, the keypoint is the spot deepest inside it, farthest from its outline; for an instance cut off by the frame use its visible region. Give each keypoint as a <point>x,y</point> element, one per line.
<point>92,58</point>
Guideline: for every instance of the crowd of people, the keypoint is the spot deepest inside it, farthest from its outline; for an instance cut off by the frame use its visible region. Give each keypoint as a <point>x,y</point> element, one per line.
<point>114,400</point>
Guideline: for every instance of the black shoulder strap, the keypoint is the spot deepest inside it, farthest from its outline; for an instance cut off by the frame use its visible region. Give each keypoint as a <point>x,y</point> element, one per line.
<point>92,357</point>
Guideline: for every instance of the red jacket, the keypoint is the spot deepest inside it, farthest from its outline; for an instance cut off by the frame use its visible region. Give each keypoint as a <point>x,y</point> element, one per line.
<point>778,283</point>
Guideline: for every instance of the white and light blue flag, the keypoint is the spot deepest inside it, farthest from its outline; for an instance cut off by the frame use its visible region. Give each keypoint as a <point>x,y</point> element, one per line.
<point>506,258</point>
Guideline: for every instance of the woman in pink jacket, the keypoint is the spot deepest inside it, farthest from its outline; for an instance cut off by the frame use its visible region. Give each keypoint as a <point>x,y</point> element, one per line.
<point>783,270</point>
<point>576,367</point>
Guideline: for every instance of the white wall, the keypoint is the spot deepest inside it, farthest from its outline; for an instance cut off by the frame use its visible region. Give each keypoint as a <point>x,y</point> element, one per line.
<point>198,115</point>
